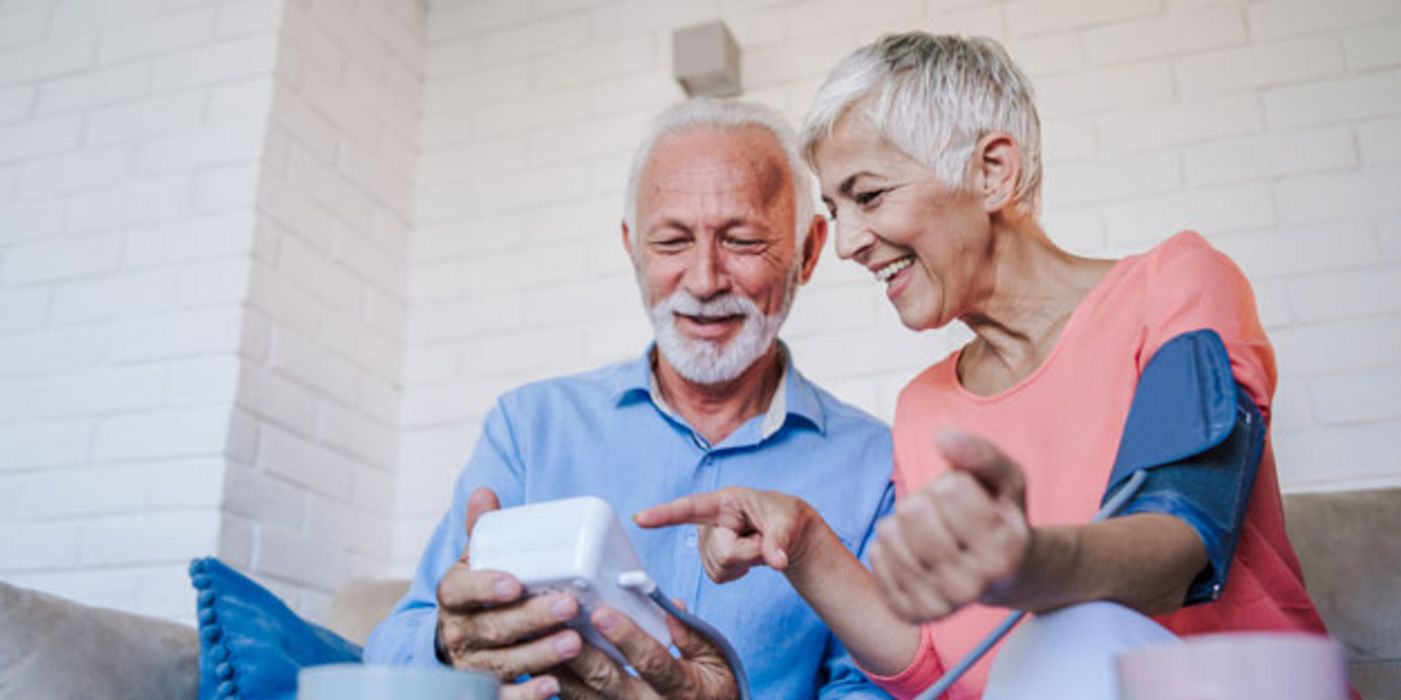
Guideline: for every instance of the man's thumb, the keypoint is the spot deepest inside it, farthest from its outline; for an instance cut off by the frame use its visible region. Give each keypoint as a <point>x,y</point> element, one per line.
<point>481,502</point>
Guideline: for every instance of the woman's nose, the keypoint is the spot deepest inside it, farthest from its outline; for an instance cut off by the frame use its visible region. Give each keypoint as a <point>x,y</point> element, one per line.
<point>852,236</point>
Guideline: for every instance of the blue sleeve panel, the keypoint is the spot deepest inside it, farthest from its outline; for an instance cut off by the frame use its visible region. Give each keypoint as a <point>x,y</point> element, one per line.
<point>1199,437</point>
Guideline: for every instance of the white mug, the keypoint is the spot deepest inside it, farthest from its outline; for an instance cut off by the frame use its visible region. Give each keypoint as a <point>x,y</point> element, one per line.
<point>365,682</point>
<point>1278,666</point>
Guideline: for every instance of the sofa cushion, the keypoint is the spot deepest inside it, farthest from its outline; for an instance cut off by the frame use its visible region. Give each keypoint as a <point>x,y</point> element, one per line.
<point>1351,556</point>
<point>54,648</point>
<point>251,644</point>
<point>362,604</point>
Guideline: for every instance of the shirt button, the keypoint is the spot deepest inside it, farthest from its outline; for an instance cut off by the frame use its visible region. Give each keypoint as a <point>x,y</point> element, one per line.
<point>691,540</point>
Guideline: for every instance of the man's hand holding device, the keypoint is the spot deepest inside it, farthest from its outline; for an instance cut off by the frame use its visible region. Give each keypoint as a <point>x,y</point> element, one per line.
<point>539,592</point>
<point>486,622</point>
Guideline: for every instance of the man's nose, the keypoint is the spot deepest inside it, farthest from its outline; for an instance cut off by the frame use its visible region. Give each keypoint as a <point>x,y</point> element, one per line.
<point>705,275</point>
<point>852,235</point>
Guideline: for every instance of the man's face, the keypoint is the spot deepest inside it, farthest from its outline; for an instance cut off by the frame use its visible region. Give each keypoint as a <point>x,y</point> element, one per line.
<point>715,249</point>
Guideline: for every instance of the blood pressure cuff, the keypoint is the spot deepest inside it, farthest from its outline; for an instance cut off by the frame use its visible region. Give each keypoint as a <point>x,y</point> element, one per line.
<point>1199,437</point>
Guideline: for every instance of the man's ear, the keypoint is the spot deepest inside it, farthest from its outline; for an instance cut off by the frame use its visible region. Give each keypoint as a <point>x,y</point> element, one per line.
<point>812,246</point>
<point>997,163</point>
<point>627,242</point>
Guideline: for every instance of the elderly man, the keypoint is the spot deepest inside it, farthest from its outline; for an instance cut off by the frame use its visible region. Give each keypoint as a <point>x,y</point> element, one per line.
<point>721,229</point>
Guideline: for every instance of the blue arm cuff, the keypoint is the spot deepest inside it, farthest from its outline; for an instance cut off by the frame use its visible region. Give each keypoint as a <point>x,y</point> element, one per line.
<point>1210,491</point>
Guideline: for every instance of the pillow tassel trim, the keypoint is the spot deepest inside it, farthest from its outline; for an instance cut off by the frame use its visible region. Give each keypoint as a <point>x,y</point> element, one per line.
<point>216,650</point>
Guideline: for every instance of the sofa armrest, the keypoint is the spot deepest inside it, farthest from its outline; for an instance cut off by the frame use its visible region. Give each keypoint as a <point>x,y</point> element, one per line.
<point>55,648</point>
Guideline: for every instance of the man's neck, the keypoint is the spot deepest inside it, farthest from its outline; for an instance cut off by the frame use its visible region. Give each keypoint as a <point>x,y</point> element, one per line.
<point>717,410</point>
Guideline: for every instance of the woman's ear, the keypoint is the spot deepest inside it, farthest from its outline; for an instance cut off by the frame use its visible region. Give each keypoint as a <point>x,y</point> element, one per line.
<point>997,160</point>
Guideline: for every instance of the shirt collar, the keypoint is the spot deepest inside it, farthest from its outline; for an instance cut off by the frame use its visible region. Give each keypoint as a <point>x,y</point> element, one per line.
<point>795,395</point>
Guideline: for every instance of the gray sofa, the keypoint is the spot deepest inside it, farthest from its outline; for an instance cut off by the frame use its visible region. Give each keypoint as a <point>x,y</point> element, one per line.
<point>1349,543</point>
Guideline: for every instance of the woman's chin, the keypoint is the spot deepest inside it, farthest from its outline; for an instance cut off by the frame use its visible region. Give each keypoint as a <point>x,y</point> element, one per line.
<point>918,320</point>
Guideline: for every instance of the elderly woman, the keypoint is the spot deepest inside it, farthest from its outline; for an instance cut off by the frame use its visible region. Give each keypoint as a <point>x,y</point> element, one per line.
<point>928,153</point>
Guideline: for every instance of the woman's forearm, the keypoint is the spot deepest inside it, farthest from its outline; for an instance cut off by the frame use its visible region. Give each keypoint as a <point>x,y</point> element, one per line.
<point>1145,562</point>
<point>845,595</point>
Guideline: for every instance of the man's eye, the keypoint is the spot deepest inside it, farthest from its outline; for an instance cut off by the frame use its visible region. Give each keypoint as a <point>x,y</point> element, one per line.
<point>745,243</point>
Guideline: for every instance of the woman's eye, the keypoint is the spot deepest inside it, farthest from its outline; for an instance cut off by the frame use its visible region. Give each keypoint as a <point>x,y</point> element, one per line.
<point>868,197</point>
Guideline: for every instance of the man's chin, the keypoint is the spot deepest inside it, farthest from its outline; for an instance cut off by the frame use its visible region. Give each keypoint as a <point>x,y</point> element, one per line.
<point>707,364</point>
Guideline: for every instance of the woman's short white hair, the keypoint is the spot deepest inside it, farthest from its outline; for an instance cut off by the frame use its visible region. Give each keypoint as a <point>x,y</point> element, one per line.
<point>704,112</point>
<point>934,97</point>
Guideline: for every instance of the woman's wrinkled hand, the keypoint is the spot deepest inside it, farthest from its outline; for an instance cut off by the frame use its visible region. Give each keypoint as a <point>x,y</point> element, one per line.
<point>959,539</point>
<point>739,528</point>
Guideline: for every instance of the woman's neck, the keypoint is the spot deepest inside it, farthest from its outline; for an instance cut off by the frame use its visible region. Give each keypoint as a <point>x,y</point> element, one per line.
<point>1031,289</point>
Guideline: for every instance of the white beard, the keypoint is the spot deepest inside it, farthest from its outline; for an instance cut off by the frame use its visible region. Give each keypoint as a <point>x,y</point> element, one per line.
<point>707,362</point>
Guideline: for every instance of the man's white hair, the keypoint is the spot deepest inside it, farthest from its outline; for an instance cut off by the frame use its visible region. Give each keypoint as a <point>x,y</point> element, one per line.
<point>704,112</point>
<point>934,97</point>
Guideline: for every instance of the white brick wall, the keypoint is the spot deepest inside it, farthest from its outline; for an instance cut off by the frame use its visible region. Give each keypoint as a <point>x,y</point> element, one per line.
<point>320,387</point>
<point>1272,126</point>
<point>204,217</point>
<point>120,292</point>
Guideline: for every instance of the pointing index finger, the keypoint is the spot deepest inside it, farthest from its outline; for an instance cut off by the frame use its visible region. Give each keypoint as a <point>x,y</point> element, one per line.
<point>697,509</point>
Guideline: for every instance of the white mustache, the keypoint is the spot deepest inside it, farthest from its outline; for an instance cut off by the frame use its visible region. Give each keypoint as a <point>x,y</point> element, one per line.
<point>683,302</point>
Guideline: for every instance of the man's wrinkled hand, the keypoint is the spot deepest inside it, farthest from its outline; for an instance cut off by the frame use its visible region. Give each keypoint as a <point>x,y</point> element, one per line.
<point>700,674</point>
<point>485,624</point>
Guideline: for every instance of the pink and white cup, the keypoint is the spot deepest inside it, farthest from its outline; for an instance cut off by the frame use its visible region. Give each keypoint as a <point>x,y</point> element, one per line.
<point>1236,666</point>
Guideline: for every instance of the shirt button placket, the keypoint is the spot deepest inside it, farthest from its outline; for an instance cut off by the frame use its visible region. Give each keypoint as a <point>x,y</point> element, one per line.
<point>702,480</point>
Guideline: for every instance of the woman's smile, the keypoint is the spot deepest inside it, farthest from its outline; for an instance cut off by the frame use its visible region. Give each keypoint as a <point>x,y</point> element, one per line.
<point>896,275</point>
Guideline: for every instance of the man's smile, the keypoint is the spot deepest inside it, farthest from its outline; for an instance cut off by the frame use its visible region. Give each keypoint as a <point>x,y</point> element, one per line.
<point>709,327</point>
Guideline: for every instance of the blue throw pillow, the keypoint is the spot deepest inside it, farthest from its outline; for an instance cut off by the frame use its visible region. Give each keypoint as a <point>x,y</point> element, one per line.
<point>251,644</point>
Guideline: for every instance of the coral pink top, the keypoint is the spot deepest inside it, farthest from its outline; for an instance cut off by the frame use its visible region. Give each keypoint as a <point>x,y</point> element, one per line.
<point>1063,422</point>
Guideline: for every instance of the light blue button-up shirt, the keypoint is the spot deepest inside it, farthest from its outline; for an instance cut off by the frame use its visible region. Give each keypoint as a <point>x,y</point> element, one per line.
<point>608,433</point>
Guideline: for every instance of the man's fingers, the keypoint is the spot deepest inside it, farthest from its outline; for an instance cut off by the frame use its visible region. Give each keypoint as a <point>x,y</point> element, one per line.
<point>572,687</point>
<point>537,688</point>
<point>696,509</point>
<point>644,653</point>
<point>464,590</point>
<point>599,673</point>
<point>507,625</point>
<point>481,502</point>
<point>691,645</point>
<point>533,657</point>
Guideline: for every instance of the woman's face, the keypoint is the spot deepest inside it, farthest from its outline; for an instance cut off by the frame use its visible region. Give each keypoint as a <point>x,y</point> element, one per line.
<point>923,240</point>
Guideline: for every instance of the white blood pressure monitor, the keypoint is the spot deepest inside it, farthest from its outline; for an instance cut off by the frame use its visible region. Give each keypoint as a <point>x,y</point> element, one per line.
<point>574,545</point>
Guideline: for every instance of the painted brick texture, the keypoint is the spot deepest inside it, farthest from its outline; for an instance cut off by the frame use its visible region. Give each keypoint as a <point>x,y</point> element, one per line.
<point>311,498</point>
<point>203,267</point>
<point>121,281</point>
